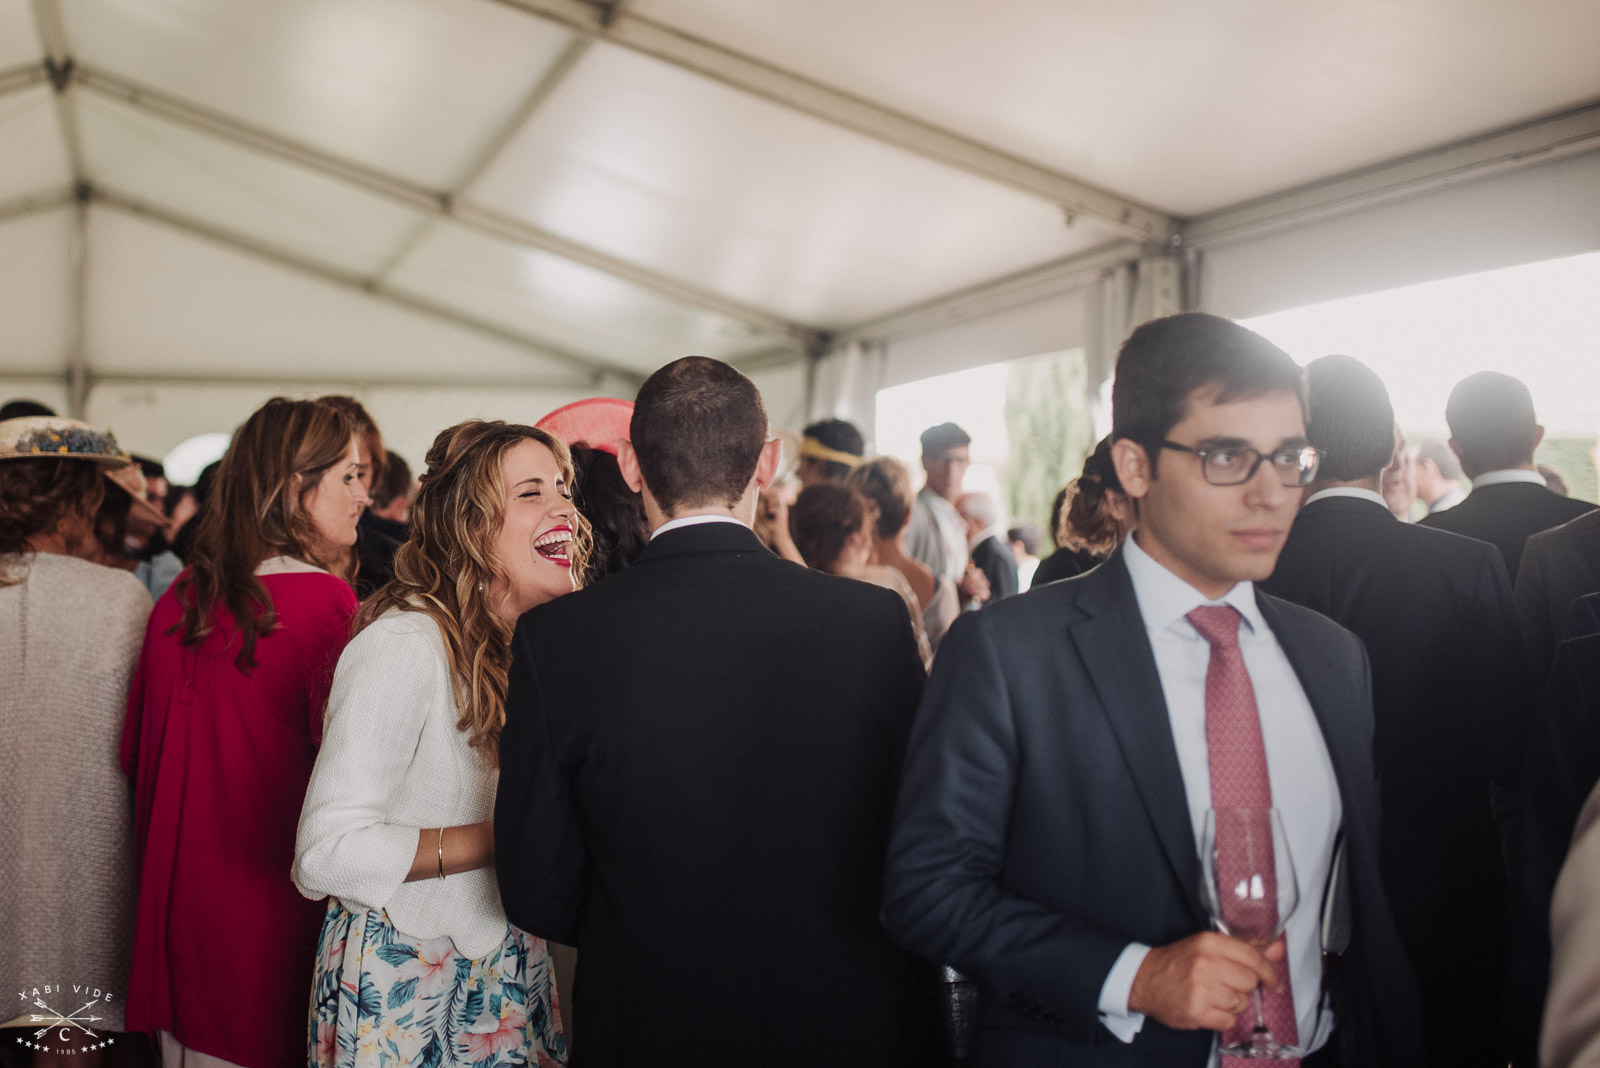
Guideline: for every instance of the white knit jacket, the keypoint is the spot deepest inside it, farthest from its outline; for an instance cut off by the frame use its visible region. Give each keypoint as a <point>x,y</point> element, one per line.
<point>392,762</point>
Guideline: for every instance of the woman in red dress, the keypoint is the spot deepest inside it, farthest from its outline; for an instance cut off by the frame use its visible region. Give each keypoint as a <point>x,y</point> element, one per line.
<point>224,717</point>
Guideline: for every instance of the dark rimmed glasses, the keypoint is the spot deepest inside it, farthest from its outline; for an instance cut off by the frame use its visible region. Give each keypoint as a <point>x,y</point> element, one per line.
<point>1234,465</point>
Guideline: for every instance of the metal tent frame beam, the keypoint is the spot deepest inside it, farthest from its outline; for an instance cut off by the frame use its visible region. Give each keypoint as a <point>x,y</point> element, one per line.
<point>788,89</point>
<point>1024,287</point>
<point>35,204</point>
<point>361,382</point>
<point>413,195</point>
<point>595,366</point>
<point>18,79</point>
<point>1554,137</point>
<point>58,67</point>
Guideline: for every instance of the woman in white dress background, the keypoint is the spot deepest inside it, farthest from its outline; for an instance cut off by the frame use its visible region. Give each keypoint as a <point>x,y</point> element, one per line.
<point>416,963</point>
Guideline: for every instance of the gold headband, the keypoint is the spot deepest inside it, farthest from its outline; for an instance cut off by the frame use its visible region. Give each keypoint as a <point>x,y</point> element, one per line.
<point>818,451</point>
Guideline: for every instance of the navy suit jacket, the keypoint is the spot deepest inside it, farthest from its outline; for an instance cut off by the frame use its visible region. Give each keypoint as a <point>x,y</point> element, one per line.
<point>1558,566</point>
<point>1042,825</point>
<point>999,566</point>
<point>1562,767</point>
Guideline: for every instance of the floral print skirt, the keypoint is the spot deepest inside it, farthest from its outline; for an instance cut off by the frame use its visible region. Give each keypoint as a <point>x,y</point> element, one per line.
<point>383,998</point>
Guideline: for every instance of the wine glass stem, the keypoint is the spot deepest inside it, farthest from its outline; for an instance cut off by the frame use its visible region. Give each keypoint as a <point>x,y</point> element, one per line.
<point>1261,1021</point>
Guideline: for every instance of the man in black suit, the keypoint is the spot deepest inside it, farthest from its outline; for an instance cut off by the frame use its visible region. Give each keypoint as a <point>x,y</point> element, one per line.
<point>1046,837</point>
<point>1558,567</point>
<point>697,770</point>
<point>1562,767</point>
<point>987,543</point>
<point>1494,433</point>
<point>1448,695</point>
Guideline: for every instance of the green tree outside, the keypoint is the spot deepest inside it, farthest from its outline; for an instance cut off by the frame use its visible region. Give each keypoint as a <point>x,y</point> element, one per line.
<point>1572,458</point>
<point>1049,429</point>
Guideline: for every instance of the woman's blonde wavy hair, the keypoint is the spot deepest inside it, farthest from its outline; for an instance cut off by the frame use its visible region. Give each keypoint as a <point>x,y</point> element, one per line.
<point>448,565</point>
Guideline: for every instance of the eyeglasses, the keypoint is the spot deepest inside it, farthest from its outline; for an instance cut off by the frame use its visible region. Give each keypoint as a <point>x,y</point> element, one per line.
<point>1234,465</point>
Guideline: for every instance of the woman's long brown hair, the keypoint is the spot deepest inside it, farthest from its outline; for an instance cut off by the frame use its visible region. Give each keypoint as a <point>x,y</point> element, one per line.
<point>257,511</point>
<point>448,565</point>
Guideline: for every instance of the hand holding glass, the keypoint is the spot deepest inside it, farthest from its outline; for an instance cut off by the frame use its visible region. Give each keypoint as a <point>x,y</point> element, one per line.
<point>1249,889</point>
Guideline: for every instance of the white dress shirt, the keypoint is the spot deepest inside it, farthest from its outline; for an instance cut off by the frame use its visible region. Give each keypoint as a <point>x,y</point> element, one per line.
<point>1509,474</point>
<point>1301,775</point>
<point>694,521</point>
<point>1355,492</point>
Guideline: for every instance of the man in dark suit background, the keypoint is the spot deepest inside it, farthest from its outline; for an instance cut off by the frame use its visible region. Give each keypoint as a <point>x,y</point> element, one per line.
<point>987,543</point>
<point>1559,566</point>
<point>1494,433</point>
<point>1562,767</point>
<point>1449,699</point>
<point>1046,837</point>
<point>697,770</point>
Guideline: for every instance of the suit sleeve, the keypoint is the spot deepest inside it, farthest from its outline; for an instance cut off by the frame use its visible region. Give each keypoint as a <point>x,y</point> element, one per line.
<point>944,898</point>
<point>1532,605</point>
<point>1501,686</point>
<point>540,859</point>
<point>1562,767</point>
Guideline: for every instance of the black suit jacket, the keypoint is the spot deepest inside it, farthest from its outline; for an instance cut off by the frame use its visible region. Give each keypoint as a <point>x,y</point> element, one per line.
<point>995,559</point>
<point>1064,563</point>
<point>1450,700</point>
<point>1558,566</point>
<point>1043,825</point>
<point>1505,514</point>
<point>1584,618</point>
<point>696,775</point>
<point>1563,765</point>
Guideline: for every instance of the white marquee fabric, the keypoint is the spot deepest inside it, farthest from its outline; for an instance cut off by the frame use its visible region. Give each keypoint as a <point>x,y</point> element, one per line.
<point>492,207</point>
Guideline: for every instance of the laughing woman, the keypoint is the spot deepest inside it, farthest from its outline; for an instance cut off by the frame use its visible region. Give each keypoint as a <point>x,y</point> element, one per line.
<point>416,962</point>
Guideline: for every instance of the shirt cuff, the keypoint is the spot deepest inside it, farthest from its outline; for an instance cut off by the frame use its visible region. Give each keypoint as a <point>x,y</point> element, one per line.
<point>1113,1006</point>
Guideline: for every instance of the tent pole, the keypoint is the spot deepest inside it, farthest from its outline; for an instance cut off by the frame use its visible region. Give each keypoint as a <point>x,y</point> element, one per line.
<point>78,329</point>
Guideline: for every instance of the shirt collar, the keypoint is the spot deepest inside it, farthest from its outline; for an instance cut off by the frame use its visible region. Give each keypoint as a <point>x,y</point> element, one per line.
<point>693,521</point>
<point>1356,492</point>
<point>984,535</point>
<point>1165,599</point>
<point>1510,474</point>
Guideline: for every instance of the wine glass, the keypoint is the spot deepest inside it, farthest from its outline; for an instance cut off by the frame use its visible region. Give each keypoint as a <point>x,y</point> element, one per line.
<point>1249,889</point>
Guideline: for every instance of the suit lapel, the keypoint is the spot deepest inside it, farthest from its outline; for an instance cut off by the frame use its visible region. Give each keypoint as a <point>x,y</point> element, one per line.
<point>1115,651</point>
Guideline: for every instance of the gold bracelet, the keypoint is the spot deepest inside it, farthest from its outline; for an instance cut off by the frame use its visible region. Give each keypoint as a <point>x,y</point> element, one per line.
<point>441,854</point>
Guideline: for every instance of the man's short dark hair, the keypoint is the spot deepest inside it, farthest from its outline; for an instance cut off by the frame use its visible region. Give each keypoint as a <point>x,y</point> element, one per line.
<point>943,438</point>
<point>1165,361</point>
<point>394,482</point>
<point>1351,419</point>
<point>1491,422</point>
<point>841,436</point>
<point>1028,533</point>
<point>698,429</point>
<point>21,408</point>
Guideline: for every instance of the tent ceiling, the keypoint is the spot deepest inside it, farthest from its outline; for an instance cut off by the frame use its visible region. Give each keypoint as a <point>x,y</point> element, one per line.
<point>541,192</point>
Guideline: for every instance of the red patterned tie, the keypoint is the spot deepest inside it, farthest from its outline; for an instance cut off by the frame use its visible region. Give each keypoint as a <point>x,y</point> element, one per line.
<point>1238,762</point>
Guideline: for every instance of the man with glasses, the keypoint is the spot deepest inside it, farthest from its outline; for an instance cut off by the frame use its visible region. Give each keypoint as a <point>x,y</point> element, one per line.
<point>1072,739</point>
<point>1434,611</point>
